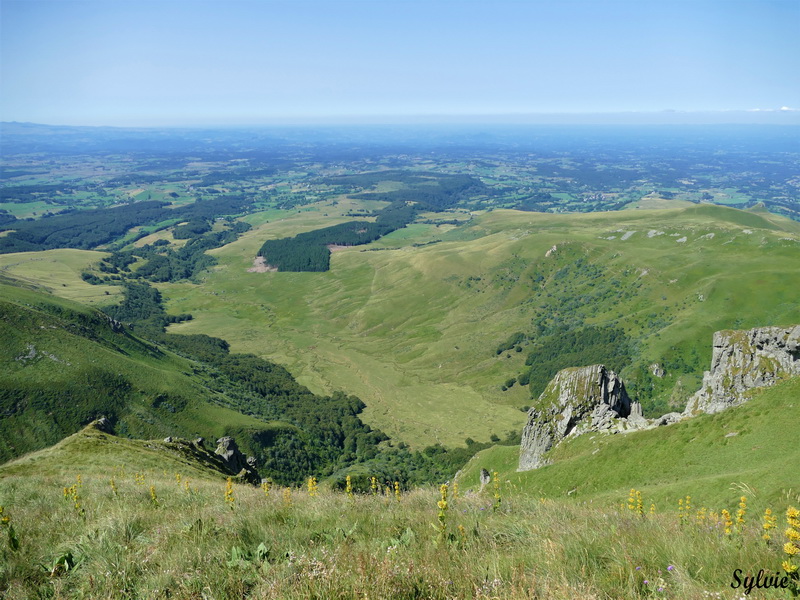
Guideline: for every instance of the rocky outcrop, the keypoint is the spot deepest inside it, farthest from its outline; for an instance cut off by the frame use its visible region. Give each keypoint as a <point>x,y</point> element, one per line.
<point>576,400</point>
<point>235,462</point>
<point>743,360</point>
<point>594,398</point>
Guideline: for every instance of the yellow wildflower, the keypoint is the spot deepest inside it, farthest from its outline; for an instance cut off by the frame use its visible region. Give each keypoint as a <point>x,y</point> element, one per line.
<point>728,521</point>
<point>229,499</point>
<point>153,497</point>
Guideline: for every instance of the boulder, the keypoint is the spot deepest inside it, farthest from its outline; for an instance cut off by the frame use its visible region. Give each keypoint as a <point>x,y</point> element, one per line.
<point>743,360</point>
<point>667,419</point>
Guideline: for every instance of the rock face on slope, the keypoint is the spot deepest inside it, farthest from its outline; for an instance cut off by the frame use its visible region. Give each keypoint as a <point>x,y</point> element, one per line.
<point>742,360</point>
<point>594,399</point>
<point>235,461</point>
<point>576,400</point>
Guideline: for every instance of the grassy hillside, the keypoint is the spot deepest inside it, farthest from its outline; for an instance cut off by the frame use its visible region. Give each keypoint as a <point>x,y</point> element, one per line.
<point>64,365</point>
<point>413,330</point>
<point>751,449</point>
<point>59,271</point>
<point>99,517</point>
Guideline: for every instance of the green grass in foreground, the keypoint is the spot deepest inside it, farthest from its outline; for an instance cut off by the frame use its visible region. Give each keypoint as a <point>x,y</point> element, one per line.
<point>155,535</point>
<point>103,517</point>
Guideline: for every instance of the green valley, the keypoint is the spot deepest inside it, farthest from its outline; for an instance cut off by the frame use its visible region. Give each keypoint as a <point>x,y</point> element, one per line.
<point>373,320</point>
<point>413,330</point>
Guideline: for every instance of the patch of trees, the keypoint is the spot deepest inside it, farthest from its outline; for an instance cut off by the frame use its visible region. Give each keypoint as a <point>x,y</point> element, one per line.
<point>191,229</point>
<point>434,463</point>
<point>166,264</point>
<point>567,347</point>
<point>435,192</point>
<point>163,263</point>
<point>211,208</point>
<point>80,229</point>
<point>513,341</point>
<point>536,202</point>
<point>308,251</point>
<point>28,193</point>
<point>6,218</point>
<point>142,308</point>
<point>6,173</point>
<point>91,228</point>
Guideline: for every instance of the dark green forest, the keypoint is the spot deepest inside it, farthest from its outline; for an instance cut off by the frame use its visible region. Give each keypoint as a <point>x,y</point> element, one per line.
<point>309,251</point>
<point>87,229</point>
<point>429,191</point>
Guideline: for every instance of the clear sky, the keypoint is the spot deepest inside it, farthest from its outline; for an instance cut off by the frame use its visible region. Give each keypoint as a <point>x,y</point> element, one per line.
<point>135,62</point>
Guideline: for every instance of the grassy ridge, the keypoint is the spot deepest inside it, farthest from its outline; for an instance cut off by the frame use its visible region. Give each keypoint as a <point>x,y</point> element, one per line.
<point>59,272</point>
<point>95,452</point>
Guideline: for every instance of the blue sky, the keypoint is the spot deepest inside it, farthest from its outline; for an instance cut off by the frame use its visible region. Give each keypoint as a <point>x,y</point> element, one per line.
<point>176,62</point>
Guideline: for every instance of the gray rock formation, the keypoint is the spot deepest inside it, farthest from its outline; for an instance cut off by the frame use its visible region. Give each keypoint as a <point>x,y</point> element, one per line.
<point>235,462</point>
<point>576,400</point>
<point>594,399</point>
<point>636,418</point>
<point>743,360</point>
<point>485,478</point>
<point>104,425</point>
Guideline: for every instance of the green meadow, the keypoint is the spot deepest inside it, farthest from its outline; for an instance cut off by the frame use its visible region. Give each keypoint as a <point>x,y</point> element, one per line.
<point>59,272</point>
<point>412,330</point>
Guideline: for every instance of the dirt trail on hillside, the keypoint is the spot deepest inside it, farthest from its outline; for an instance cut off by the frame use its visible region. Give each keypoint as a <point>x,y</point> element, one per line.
<point>260,266</point>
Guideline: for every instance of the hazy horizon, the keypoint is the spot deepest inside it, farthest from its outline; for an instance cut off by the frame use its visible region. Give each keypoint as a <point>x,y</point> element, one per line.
<point>677,118</point>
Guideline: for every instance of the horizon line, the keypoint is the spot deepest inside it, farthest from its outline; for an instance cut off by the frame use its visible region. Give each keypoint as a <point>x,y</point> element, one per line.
<point>753,116</point>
